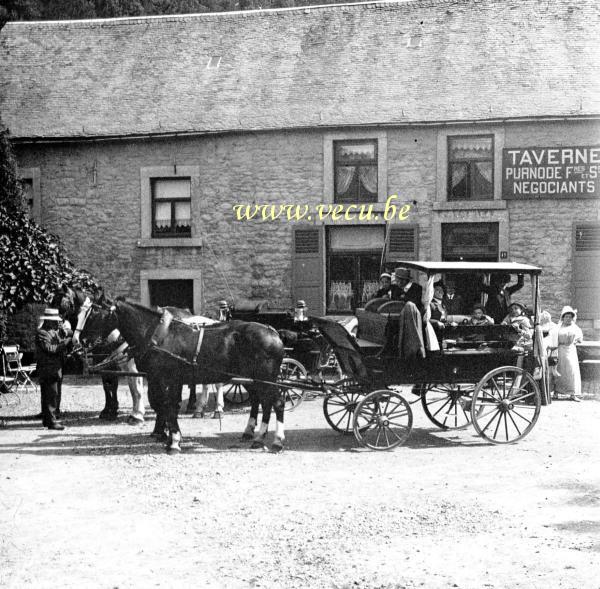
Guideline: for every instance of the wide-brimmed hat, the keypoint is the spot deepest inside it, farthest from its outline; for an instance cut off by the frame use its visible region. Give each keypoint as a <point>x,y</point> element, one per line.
<point>50,315</point>
<point>402,273</point>
<point>515,304</point>
<point>385,275</point>
<point>568,309</point>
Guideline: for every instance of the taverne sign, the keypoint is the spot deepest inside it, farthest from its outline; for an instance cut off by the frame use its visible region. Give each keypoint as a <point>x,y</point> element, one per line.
<point>551,172</point>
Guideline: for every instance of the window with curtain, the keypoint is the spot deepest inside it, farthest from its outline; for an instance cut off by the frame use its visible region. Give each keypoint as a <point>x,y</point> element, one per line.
<point>471,167</point>
<point>355,171</point>
<point>171,207</point>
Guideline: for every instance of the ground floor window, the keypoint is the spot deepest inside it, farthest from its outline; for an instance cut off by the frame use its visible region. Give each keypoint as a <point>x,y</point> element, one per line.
<point>353,266</point>
<point>172,293</point>
<point>469,242</point>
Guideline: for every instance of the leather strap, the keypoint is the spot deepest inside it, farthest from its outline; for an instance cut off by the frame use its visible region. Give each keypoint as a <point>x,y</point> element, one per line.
<point>198,345</point>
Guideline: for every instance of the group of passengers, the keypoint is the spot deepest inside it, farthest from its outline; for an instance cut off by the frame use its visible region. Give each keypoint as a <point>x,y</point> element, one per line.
<point>559,339</point>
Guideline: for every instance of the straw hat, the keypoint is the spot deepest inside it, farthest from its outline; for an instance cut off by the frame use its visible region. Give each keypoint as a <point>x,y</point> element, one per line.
<point>517,305</point>
<point>568,309</point>
<point>50,315</point>
<point>385,275</point>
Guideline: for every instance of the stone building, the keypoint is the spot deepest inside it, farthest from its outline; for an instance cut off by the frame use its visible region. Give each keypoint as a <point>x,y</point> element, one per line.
<point>137,137</point>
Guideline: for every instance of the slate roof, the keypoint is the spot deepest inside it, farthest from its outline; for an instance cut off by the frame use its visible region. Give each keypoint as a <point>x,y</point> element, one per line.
<point>356,64</point>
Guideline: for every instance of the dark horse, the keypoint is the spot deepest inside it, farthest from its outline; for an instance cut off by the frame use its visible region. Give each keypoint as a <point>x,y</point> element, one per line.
<point>184,355</point>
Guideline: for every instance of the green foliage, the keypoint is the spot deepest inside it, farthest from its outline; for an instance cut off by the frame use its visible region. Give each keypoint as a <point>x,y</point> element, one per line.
<point>33,264</point>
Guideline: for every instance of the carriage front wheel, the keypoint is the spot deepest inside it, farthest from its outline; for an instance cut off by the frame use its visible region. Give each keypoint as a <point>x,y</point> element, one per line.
<point>291,370</point>
<point>339,405</point>
<point>448,406</point>
<point>506,405</point>
<point>382,420</point>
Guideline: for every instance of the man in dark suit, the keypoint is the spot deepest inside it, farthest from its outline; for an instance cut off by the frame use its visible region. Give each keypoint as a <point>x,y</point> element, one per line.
<point>453,302</point>
<point>405,289</point>
<point>52,343</point>
<point>499,295</point>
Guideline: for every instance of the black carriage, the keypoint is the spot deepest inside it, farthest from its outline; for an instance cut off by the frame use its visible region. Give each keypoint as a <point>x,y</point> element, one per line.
<point>306,349</point>
<point>490,376</point>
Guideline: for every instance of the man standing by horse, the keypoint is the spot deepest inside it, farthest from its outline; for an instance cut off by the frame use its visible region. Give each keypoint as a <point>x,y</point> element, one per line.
<point>53,342</point>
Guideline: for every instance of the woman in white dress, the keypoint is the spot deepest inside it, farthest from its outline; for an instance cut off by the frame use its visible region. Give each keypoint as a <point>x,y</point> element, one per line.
<point>567,335</point>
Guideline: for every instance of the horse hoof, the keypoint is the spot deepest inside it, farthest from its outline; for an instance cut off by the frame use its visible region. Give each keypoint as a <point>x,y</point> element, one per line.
<point>198,415</point>
<point>247,437</point>
<point>277,447</point>
<point>190,409</point>
<point>256,445</point>
<point>132,420</point>
<point>173,450</point>
<point>104,415</point>
<point>217,415</point>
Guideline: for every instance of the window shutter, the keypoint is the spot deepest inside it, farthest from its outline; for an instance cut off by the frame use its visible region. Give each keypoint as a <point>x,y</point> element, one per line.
<point>586,270</point>
<point>402,243</point>
<point>307,268</point>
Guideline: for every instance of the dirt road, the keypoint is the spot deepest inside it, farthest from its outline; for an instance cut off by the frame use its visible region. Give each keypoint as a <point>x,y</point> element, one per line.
<point>102,505</point>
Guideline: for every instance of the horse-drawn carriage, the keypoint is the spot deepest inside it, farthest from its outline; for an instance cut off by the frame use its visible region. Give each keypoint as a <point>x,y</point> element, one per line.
<point>464,374</point>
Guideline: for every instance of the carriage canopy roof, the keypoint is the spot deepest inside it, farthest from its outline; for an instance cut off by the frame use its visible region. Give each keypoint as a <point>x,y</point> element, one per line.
<point>465,267</point>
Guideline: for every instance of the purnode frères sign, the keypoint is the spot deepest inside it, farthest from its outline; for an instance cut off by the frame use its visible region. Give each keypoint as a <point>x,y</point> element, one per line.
<point>551,172</point>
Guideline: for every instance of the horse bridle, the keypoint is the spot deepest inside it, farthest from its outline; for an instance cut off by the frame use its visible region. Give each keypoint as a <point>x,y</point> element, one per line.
<point>84,313</point>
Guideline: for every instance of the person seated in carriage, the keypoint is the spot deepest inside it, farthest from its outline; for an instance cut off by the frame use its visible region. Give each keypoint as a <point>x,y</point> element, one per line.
<point>479,316</point>
<point>518,319</point>
<point>385,285</point>
<point>405,289</point>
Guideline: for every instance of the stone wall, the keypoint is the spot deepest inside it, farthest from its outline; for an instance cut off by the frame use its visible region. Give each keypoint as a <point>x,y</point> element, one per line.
<point>90,196</point>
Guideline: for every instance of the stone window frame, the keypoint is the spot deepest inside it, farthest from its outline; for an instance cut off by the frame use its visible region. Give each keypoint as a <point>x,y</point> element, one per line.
<point>329,163</point>
<point>147,174</point>
<point>441,196</point>
<point>171,274</point>
<point>33,174</point>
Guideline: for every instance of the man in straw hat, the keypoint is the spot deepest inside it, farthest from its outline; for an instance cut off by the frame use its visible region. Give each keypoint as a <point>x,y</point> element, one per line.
<point>52,343</point>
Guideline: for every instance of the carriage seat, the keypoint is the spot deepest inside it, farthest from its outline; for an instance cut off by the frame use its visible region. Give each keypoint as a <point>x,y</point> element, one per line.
<point>371,331</point>
<point>462,337</point>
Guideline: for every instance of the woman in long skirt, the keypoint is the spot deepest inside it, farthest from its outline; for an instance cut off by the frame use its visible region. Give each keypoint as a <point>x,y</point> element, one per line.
<point>566,337</point>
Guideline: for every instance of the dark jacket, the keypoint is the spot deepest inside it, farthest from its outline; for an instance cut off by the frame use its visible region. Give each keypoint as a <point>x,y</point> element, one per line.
<point>499,299</point>
<point>454,306</point>
<point>413,294</point>
<point>52,346</point>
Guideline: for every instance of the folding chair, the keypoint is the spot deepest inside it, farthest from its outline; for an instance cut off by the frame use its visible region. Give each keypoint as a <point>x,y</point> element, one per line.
<point>21,374</point>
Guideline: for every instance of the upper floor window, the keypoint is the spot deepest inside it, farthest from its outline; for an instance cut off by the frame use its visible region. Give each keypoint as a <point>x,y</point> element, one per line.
<point>471,167</point>
<point>171,207</point>
<point>355,171</point>
<point>27,191</point>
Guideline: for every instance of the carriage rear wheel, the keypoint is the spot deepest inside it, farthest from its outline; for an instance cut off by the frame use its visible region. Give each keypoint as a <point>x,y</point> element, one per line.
<point>291,370</point>
<point>448,406</point>
<point>339,406</point>
<point>506,405</point>
<point>382,420</point>
<point>235,393</point>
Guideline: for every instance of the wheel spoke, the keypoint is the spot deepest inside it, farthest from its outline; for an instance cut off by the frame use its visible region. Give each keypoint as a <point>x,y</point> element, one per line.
<point>521,416</point>
<point>490,421</point>
<point>448,400</point>
<point>514,423</point>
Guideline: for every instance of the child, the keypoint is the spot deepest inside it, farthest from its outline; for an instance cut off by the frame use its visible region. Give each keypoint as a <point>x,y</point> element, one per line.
<point>478,316</point>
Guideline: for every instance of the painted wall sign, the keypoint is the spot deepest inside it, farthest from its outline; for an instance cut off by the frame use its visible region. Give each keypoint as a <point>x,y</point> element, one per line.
<point>551,172</point>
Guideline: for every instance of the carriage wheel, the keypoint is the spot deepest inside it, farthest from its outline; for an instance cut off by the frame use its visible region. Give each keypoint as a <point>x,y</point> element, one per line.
<point>339,406</point>
<point>448,406</point>
<point>506,404</point>
<point>291,370</point>
<point>235,394</point>
<point>382,420</point>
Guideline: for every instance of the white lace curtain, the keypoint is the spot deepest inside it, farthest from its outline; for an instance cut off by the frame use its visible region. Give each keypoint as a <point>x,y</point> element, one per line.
<point>366,174</point>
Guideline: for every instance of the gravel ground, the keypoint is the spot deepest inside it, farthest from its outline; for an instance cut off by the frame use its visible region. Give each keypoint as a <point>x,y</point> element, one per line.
<point>102,505</point>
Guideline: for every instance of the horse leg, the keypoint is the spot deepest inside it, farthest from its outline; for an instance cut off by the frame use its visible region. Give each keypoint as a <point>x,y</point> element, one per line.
<point>192,401</point>
<point>261,434</point>
<point>174,402</point>
<point>106,386</point>
<point>218,412</point>
<point>278,440</point>
<point>110,384</point>
<point>155,393</point>
<point>201,409</point>
<point>136,387</point>
<point>254,403</point>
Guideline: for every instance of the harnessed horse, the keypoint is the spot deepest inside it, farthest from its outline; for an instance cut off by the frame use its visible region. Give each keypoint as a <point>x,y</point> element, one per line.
<point>172,353</point>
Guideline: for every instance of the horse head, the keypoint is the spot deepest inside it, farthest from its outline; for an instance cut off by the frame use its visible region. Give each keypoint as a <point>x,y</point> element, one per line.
<point>94,320</point>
